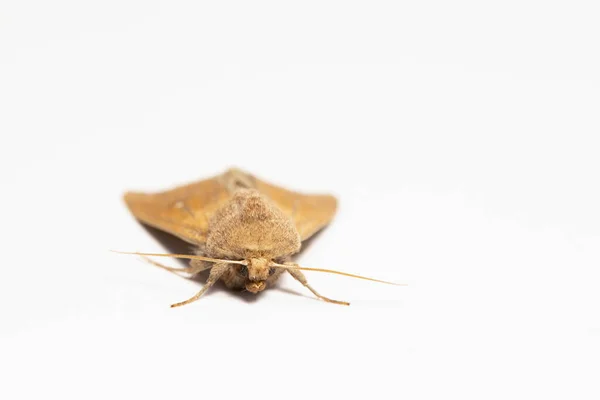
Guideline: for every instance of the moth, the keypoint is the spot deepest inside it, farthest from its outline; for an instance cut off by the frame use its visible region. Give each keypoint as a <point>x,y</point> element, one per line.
<point>243,229</point>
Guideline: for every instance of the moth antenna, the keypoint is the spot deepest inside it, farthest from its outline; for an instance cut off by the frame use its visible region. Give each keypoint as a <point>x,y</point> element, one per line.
<point>330,271</point>
<point>186,256</point>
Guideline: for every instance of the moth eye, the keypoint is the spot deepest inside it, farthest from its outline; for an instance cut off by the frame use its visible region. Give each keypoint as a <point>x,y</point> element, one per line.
<point>244,271</point>
<point>271,271</point>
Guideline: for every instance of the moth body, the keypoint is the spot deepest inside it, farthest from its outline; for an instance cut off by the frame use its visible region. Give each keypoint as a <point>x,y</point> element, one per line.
<point>249,227</point>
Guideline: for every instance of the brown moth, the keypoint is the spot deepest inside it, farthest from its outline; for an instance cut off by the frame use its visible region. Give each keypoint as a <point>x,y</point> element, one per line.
<point>245,230</point>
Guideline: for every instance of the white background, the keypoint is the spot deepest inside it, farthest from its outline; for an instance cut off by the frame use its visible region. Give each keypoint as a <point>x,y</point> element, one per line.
<point>460,138</point>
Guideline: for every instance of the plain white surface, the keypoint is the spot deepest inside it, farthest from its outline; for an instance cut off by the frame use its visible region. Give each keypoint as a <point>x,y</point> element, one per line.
<point>460,137</point>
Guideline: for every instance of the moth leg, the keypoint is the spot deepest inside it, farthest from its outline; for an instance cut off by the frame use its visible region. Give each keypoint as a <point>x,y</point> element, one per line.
<point>195,268</point>
<point>215,273</point>
<point>299,276</point>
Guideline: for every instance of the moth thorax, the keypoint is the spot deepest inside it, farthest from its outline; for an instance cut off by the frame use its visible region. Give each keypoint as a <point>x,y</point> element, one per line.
<point>251,226</point>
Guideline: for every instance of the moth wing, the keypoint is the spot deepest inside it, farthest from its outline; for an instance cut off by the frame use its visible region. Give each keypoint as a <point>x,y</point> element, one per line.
<point>310,213</point>
<point>183,211</point>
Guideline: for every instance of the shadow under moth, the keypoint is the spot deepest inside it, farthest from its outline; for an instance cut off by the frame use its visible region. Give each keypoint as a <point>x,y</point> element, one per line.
<point>244,230</point>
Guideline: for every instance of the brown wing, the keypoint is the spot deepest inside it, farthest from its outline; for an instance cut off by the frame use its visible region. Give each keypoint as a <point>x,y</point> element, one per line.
<point>310,213</point>
<point>183,211</point>
<point>186,210</point>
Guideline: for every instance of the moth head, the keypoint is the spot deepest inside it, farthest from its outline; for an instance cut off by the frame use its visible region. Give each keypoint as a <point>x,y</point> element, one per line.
<point>249,227</point>
<point>256,272</point>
